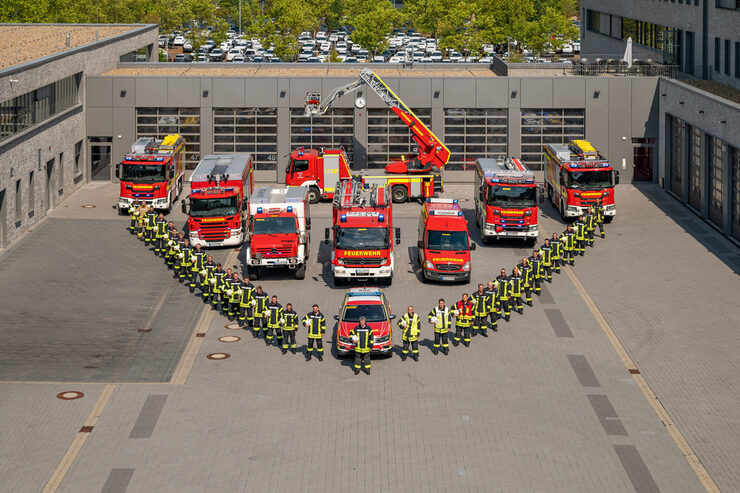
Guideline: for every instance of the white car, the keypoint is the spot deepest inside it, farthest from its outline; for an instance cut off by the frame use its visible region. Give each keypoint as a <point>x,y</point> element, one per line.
<point>333,38</point>
<point>436,56</point>
<point>378,59</point>
<point>455,56</point>
<point>187,46</point>
<point>341,48</point>
<point>567,49</point>
<point>237,58</point>
<point>418,56</point>
<point>178,41</point>
<point>396,59</point>
<point>232,53</point>
<point>431,48</point>
<point>225,46</point>
<point>325,47</point>
<point>321,36</point>
<point>486,59</point>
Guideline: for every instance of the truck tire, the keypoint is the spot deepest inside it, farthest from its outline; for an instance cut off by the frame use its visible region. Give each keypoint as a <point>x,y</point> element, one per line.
<point>338,281</point>
<point>531,241</point>
<point>608,219</point>
<point>254,273</point>
<point>314,194</point>
<point>122,212</point>
<point>549,194</point>
<point>389,281</point>
<point>399,193</point>
<point>300,272</point>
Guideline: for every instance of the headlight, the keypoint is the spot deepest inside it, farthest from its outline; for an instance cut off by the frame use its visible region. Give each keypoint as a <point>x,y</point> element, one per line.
<point>382,340</point>
<point>291,260</point>
<point>466,266</point>
<point>428,264</point>
<point>340,261</point>
<point>346,340</point>
<point>496,212</point>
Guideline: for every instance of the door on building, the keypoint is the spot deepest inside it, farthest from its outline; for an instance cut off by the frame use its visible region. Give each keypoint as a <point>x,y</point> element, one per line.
<point>50,184</point>
<point>643,159</point>
<point>2,218</point>
<point>101,149</point>
<point>689,53</point>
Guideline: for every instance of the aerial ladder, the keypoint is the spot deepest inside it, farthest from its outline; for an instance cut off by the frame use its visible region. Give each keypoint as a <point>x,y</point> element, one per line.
<point>431,152</point>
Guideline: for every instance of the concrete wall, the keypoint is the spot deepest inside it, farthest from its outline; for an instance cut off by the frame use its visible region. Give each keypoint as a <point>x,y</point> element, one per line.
<point>32,149</point>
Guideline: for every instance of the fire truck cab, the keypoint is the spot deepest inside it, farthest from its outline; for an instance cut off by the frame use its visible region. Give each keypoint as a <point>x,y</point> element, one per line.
<point>443,243</point>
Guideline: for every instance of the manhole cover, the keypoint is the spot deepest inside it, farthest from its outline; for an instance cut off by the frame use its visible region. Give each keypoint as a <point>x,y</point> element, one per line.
<point>229,338</point>
<point>89,206</point>
<point>70,395</point>
<point>218,356</point>
<point>232,326</point>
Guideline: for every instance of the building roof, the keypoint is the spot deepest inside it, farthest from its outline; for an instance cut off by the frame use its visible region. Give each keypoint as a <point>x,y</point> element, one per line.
<point>296,70</point>
<point>22,43</point>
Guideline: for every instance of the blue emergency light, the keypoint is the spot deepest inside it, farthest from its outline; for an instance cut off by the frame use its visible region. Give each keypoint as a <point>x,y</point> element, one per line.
<point>259,210</point>
<point>381,218</point>
<point>459,213</point>
<point>343,218</point>
<point>454,201</point>
<point>160,159</point>
<point>290,208</point>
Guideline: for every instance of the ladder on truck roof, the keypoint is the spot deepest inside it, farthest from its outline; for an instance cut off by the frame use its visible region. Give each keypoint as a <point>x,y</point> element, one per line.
<point>352,193</point>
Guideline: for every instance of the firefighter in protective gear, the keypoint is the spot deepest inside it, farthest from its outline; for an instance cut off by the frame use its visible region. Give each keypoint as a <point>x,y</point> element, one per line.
<point>480,312</point>
<point>590,220</point>
<point>235,286</point>
<point>259,305</point>
<point>493,304</point>
<point>209,279</point>
<point>246,315</point>
<point>557,252</point>
<point>141,221</point>
<point>568,239</point>
<point>441,319</point>
<point>504,291</point>
<point>546,255</point>
<point>315,323</point>
<point>600,218</point>
<point>133,213</point>
<point>275,321</point>
<point>410,323</point>
<point>362,335</point>
<point>198,262</point>
<point>186,264</point>
<point>225,292</point>
<point>160,234</point>
<point>173,247</point>
<point>515,280</point>
<point>218,283</point>
<point>290,328</point>
<point>580,226</point>
<point>151,226</point>
<point>537,271</point>
<point>527,273</point>
<point>464,315</point>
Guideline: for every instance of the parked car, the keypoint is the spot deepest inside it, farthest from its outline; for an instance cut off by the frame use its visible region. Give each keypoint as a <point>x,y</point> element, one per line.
<point>238,58</point>
<point>436,56</point>
<point>232,53</point>
<point>187,47</point>
<point>351,59</point>
<point>182,58</point>
<point>178,41</point>
<point>216,55</point>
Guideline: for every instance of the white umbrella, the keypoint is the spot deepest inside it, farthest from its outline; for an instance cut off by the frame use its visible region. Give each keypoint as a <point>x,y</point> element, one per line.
<point>628,53</point>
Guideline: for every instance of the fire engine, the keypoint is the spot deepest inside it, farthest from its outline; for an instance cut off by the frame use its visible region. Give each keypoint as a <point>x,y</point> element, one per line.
<point>505,200</point>
<point>152,172</point>
<point>443,242</point>
<point>577,177</point>
<point>220,187</point>
<point>363,232</point>
<point>413,176</point>
<point>278,230</point>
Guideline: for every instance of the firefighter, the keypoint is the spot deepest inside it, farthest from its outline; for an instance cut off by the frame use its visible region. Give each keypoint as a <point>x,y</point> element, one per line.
<point>208,279</point>
<point>439,317</point>
<point>362,335</point>
<point>515,281</point>
<point>493,304</point>
<point>275,321</point>
<point>504,290</point>
<point>160,233</point>
<point>217,283</point>
<point>527,273</point>
<point>600,218</point>
<point>246,317</point>
<point>557,252</point>
<point>546,254</point>
<point>590,220</point>
<point>464,314</point>
<point>141,222</point>
<point>480,311</point>
<point>259,302</point>
<point>537,271</point>
<point>151,219</point>
<point>410,323</point>
<point>133,212</point>
<point>315,322</point>
<point>198,262</point>
<point>568,239</point>
<point>290,328</point>
<point>225,291</point>
<point>235,285</point>
<point>580,226</point>
<point>186,264</point>
<point>172,253</point>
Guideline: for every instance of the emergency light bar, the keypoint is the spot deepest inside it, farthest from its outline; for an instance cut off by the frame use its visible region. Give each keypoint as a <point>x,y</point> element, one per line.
<point>362,214</point>
<point>581,164</point>
<point>363,292</point>
<point>508,177</point>
<point>143,157</point>
<point>441,201</point>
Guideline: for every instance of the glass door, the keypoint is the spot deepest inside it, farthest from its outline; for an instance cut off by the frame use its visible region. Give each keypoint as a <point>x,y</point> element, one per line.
<point>100,157</point>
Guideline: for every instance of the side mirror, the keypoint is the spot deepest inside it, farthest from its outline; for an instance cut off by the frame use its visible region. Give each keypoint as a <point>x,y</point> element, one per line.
<point>118,171</point>
<point>287,170</point>
<point>482,192</point>
<point>326,236</point>
<point>391,317</point>
<point>245,204</point>
<point>398,236</point>
<point>473,246</point>
<point>616,177</point>
<point>420,245</point>
<point>336,317</point>
<point>184,207</point>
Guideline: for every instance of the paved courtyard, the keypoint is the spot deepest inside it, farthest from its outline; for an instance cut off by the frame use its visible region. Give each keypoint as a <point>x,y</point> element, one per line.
<point>545,404</point>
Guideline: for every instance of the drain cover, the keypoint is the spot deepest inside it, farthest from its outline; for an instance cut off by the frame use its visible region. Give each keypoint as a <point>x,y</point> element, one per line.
<point>89,206</point>
<point>70,395</point>
<point>232,326</point>
<point>229,338</point>
<point>218,356</point>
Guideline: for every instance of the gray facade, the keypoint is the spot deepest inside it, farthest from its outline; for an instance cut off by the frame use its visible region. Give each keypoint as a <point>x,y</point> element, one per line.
<point>43,164</point>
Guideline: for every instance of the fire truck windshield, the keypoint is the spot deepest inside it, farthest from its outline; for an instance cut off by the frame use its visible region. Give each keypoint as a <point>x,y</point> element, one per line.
<point>590,180</point>
<point>447,240</point>
<point>372,313</point>
<point>274,225</point>
<point>225,206</point>
<point>362,239</point>
<point>142,173</point>
<point>513,196</point>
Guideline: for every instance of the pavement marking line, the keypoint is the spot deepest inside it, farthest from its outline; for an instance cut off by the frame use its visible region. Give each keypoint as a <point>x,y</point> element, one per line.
<point>607,415</point>
<point>636,470</point>
<point>118,480</point>
<point>584,373</point>
<point>148,416</point>
<point>79,440</point>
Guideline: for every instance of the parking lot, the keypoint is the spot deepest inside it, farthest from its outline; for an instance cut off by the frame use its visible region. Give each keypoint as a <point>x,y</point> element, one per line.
<point>545,404</point>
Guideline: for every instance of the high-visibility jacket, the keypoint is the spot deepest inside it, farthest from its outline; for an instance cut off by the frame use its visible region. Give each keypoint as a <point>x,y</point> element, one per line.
<point>557,249</point>
<point>186,253</point>
<point>440,319</point>
<point>480,304</point>
<point>220,276</point>
<point>516,285</point>
<point>411,325</point>
<point>151,219</point>
<point>599,214</point>
<point>161,225</point>
<point>198,260</point>
<point>546,254</point>
<point>364,335</point>
<point>527,273</point>
<point>235,285</point>
<point>464,313</point>
<point>133,210</point>
<point>261,300</point>
<point>274,314</point>
<point>247,294</point>
<point>536,264</point>
<point>504,288</point>
<point>210,269</point>
<point>316,324</point>
<point>291,320</point>
<point>590,220</point>
<point>492,298</point>
<point>580,227</point>
<point>568,238</point>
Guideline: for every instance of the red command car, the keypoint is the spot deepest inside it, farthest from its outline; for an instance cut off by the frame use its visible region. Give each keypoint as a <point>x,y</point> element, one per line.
<point>372,304</point>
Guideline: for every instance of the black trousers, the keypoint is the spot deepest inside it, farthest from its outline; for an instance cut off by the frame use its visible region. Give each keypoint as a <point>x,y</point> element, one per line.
<point>319,345</point>
<point>440,340</point>
<point>601,230</point>
<point>480,322</point>
<point>259,323</point>
<point>288,338</point>
<point>505,311</point>
<point>414,347</point>
<point>278,334</point>
<point>361,359</point>
<point>463,331</point>
<point>569,256</point>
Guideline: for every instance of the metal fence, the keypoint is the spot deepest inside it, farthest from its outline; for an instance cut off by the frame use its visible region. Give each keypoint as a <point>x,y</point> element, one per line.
<point>591,68</point>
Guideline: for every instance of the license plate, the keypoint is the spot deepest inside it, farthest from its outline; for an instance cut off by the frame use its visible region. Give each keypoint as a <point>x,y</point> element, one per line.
<point>362,271</point>
<point>448,278</point>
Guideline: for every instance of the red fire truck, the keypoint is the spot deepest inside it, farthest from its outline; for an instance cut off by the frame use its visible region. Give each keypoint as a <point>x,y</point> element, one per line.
<point>152,172</point>
<point>412,176</point>
<point>443,242</point>
<point>363,232</point>
<point>577,177</point>
<point>505,200</point>
<point>220,188</point>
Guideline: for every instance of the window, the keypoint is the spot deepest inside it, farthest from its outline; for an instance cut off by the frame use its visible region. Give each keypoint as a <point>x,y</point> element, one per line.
<point>677,130</point>
<point>17,202</point>
<point>728,4</point>
<point>695,165</point>
<point>30,109</point>
<point>78,158</point>
<point>737,59</point>
<point>332,130</point>
<point>388,138</point>
<point>728,57</point>
<point>61,172</point>
<point>247,130</point>
<point>472,133</point>
<point>717,150</point>
<point>716,54</point>
<point>548,126</point>
<point>31,193</point>
<point>735,196</point>
<point>159,122</point>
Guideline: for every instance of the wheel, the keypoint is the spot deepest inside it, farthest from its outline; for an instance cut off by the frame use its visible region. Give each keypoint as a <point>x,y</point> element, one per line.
<point>338,281</point>
<point>254,273</point>
<point>314,194</point>
<point>484,239</point>
<point>399,194</point>
<point>467,280</point>
<point>122,212</point>
<point>562,209</point>
<point>389,354</point>
<point>389,281</point>
<point>549,193</point>
<point>531,241</point>
<point>300,272</point>
<point>608,219</point>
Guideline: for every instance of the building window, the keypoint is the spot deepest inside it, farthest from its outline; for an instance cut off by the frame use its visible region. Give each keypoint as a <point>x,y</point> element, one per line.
<point>61,172</point>
<point>717,150</point>
<point>677,130</point>
<point>695,165</point>
<point>735,196</point>
<point>728,57</point>
<point>247,130</point>
<point>25,111</point>
<point>548,126</point>
<point>31,193</point>
<point>737,59</point>
<point>472,133</point>
<point>388,138</point>
<point>332,130</point>
<point>716,54</point>
<point>78,158</point>
<point>18,203</point>
<point>159,122</point>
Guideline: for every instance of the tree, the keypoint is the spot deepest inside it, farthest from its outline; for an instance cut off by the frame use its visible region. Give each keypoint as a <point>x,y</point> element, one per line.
<point>425,15</point>
<point>461,28</point>
<point>550,31</point>
<point>371,21</point>
<point>329,13</point>
<point>502,20</point>
<point>278,23</point>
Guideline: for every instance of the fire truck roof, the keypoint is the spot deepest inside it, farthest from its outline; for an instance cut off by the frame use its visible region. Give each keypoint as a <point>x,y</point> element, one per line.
<point>507,170</point>
<point>290,195</point>
<point>352,193</point>
<point>577,154</point>
<point>442,207</point>
<point>221,167</point>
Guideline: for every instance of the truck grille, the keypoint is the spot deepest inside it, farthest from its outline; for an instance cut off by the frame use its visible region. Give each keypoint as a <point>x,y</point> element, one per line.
<point>214,231</point>
<point>447,267</point>
<point>363,262</point>
<point>271,252</point>
<point>513,225</point>
<point>588,202</point>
